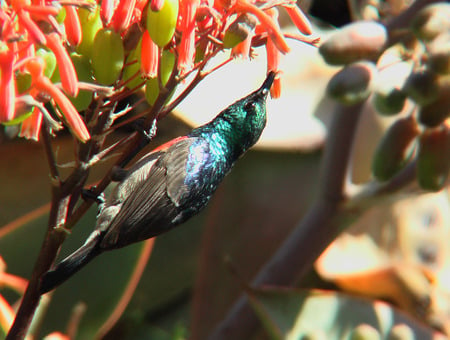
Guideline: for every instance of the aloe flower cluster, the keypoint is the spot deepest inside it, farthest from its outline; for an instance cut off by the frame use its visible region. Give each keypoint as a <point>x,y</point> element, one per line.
<point>67,52</point>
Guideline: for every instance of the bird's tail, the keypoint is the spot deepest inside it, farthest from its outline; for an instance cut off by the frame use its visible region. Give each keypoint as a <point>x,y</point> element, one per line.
<point>70,265</point>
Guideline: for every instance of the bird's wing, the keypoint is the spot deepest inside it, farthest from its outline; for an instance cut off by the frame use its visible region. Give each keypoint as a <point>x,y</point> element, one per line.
<point>150,209</point>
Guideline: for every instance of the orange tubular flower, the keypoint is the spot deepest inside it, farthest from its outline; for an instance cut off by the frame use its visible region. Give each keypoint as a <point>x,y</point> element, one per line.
<point>123,14</point>
<point>243,48</point>
<point>299,19</point>
<point>149,56</point>
<point>186,48</point>
<point>41,10</point>
<point>73,26</point>
<point>67,71</point>
<point>272,28</point>
<point>273,56</point>
<point>43,84</point>
<point>273,60</point>
<point>31,27</point>
<point>7,87</point>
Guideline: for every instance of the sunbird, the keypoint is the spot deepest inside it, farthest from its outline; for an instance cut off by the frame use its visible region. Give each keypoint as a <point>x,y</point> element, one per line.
<point>170,184</point>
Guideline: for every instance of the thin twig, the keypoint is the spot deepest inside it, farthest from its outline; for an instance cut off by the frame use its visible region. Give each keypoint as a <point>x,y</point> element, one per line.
<point>50,156</point>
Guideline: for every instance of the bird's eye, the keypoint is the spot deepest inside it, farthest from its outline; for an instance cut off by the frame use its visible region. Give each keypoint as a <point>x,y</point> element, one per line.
<point>250,106</point>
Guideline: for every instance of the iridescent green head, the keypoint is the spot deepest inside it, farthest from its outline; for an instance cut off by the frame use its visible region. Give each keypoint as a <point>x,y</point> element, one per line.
<point>246,118</point>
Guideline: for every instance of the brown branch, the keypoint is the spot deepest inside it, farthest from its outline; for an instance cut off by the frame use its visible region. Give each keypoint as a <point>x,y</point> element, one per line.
<point>47,254</point>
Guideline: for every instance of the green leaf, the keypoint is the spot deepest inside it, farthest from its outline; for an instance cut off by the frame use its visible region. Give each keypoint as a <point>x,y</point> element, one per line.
<point>297,314</point>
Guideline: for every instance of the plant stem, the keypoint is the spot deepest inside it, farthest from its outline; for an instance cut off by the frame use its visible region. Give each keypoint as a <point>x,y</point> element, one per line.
<point>49,250</point>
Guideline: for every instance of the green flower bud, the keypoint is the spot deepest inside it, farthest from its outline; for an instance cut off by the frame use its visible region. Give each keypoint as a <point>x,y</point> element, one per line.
<point>394,149</point>
<point>430,21</point>
<point>161,24</point>
<point>107,56</point>
<point>91,23</point>
<point>422,87</point>
<point>433,158</point>
<point>352,84</point>
<point>356,41</point>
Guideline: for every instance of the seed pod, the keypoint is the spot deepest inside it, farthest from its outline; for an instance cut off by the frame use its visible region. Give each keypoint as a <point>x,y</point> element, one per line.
<point>239,30</point>
<point>161,25</point>
<point>391,103</point>
<point>84,72</point>
<point>434,113</point>
<point>422,87</point>
<point>91,23</point>
<point>394,149</point>
<point>433,158</point>
<point>364,332</point>
<point>430,21</point>
<point>351,85</point>
<point>107,56</point>
<point>356,41</point>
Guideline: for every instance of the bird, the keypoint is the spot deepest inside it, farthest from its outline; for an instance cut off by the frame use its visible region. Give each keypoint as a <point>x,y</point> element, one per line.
<point>170,184</point>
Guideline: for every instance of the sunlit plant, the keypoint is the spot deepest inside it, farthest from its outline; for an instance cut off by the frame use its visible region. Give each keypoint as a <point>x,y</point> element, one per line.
<point>67,64</point>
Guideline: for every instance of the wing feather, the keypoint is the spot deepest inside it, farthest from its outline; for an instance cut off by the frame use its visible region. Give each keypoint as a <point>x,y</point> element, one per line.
<point>153,206</point>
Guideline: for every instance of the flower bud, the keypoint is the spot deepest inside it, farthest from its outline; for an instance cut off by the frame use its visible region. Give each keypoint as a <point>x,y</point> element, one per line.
<point>439,54</point>
<point>394,149</point>
<point>50,61</point>
<point>401,332</point>
<point>356,41</point>
<point>436,112</point>
<point>422,87</point>
<point>107,56</point>
<point>364,332</point>
<point>389,103</point>
<point>132,68</point>
<point>84,71</point>
<point>239,30</point>
<point>91,23</point>
<point>152,85</point>
<point>430,21</point>
<point>161,24</point>
<point>433,158</point>
<point>351,85</point>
